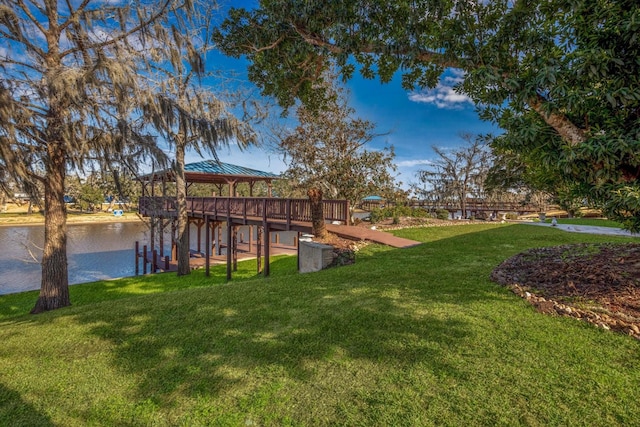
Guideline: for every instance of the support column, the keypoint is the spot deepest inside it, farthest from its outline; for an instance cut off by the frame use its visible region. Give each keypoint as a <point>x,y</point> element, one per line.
<point>267,245</point>
<point>229,249</point>
<point>234,241</point>
<point>199,223</point>
<point>174,246</point>
<point>259,248</point>
<point>207,244</point>
<point>161,235</point>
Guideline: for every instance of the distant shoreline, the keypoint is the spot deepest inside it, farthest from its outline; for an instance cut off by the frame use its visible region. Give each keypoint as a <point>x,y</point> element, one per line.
<point>38,219</point>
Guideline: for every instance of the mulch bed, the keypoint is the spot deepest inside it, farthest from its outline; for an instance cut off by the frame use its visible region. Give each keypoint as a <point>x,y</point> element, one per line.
<point>598,283</point>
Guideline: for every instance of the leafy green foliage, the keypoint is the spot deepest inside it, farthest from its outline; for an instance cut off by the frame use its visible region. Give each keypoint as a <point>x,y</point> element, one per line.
<point>90,197</point>
<point>560,77</point>
<point>395,212</point>
<point>442,214</point>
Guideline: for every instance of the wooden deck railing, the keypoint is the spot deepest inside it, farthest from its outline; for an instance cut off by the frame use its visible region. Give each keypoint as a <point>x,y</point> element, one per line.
<point>288,210</point>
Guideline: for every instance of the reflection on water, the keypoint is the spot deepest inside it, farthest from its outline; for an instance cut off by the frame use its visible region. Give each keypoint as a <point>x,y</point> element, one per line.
<point>95,252</point>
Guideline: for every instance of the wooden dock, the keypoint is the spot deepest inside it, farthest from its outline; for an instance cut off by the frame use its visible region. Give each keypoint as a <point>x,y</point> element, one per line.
<point>268,215</point>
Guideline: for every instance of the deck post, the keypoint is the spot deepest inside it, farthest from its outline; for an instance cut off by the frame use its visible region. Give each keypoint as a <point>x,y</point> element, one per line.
<point>348,214</point>
<point>267,244</point>
<point>154,266</point>
<point>259,248</point>
<point>297,245</point>
<point>234,241</point>
<point>137,249</point>
<point>174,246</point>
<point>161,236</point>
<point>152,232</point>
<point>207,244</point>
<point>229,246</point>
<point>144,259</point>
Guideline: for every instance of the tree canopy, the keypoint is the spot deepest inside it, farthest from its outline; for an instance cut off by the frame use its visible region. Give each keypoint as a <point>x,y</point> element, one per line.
<point>560,76</point>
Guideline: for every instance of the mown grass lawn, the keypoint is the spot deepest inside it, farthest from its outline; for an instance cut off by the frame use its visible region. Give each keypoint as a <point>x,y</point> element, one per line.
<point>416,336</point>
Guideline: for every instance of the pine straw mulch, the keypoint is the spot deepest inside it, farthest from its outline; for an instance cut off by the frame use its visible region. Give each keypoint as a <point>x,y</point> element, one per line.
<point>598,283</point>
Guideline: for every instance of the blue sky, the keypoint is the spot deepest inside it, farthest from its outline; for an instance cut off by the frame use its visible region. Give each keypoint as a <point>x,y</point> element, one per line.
<point>415,121</point>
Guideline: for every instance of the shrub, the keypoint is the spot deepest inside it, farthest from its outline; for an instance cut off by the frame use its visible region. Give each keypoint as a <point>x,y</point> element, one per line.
<point>377,215</point>
<point>442,214</point>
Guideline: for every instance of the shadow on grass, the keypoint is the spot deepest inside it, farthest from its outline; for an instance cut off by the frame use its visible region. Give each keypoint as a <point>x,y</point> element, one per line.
<point>15,411</point>
<point>204,342</point>
<point>392,310</point>
<point>388,310</point>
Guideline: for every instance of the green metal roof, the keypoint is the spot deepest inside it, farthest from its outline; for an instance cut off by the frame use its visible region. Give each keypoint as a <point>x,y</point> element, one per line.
<point>219,168</point>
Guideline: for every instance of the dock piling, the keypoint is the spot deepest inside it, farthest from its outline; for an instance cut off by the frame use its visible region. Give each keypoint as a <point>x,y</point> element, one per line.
<point>144,259</point>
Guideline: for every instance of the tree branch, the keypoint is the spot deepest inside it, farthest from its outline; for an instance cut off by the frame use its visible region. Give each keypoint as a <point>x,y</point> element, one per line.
<point>261,49</point>
<point>31,17</point>
<point>373,49</point>
<point>73,14</point>
<point>122,36</point>
<point>571,133</point>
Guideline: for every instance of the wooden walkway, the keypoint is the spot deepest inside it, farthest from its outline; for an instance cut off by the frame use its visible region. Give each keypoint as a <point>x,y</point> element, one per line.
<point>360,233</point>
<point>268,214</point>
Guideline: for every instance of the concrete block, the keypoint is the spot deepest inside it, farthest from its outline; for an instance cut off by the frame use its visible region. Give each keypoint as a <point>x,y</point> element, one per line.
<point>315,256</point>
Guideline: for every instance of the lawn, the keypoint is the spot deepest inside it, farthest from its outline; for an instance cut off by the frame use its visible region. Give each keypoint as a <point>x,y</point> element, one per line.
<point>416,336</point>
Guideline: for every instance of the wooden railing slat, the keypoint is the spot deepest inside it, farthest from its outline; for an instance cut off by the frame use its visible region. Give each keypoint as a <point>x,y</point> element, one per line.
<point>266,208</point>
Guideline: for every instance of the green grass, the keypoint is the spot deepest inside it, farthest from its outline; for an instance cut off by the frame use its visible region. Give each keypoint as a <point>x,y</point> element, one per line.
<point>415,336</point>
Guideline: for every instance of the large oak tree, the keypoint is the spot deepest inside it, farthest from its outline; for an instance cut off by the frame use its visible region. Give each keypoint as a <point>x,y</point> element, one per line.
<point>560,76</point>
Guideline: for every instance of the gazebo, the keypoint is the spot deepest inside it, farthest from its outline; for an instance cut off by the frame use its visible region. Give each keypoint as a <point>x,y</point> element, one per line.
<point>260,214</point>
<point>218,174</point>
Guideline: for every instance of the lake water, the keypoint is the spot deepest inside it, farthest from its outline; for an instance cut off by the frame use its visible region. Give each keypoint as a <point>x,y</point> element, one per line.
<point>95,252</point>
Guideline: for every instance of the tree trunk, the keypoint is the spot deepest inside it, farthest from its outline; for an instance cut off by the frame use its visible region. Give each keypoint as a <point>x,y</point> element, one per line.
<point>54,289</point>
<point>183,220</point>
<point>318,227</point>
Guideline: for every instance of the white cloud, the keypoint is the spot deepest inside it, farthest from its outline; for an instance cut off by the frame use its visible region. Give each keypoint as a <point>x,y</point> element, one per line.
<point>444,95</point>
<point>412,163</point>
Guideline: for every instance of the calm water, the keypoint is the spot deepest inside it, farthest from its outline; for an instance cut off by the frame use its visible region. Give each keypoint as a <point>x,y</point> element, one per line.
<point>95,252</point>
